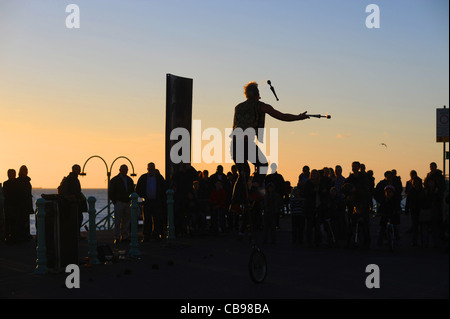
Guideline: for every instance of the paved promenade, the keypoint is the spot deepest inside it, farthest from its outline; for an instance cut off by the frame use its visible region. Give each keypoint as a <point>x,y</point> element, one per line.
<point>215,267</point>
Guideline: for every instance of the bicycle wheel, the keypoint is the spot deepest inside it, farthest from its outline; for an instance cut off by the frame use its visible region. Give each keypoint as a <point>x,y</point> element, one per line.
<point>257,266</point>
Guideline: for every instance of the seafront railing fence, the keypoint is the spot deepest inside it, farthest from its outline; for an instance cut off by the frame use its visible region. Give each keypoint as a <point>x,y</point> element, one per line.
<point>105,223</point>
<point>41,247</point>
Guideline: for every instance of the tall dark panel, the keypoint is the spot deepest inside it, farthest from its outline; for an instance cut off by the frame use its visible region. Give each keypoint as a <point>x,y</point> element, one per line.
<point>178,113</point>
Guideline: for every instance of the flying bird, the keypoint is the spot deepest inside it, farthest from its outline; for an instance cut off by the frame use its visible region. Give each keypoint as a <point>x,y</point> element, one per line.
<point>384,144</point>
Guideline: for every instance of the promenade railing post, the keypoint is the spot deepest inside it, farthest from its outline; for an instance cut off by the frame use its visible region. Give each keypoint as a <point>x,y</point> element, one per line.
<point>41,249</point>
<point>93,254</point>
<point>170,216</point>
<point>134,243</point>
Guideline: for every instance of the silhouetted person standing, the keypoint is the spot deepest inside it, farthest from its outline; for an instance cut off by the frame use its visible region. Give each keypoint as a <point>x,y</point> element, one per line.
<point>313,208</point>
<point>303,177</point>
<point>152,188</point>
<point>435,183</point>
<point>11,208</point>
<point>397,183</point>
<point>25,204</point>
<point>341,217</point>
<point>272,205</point>
<point>120,188</point>
<point>73,199</point>
<point>183,182</point>
<point>360,190</point>
<point>278,183</point>
<point>220,176</point>
<point>415,204</point>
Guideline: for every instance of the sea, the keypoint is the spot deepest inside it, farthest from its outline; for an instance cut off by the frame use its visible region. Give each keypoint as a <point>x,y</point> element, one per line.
<point>101,196</point>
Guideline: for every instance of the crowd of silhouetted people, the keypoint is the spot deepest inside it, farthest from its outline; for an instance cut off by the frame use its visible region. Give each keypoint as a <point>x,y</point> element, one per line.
<point>326,208</point>
<point>17,206</point>
<point>329,209</point>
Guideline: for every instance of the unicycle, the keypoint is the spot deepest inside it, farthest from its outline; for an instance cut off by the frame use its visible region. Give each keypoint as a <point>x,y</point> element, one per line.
<point>257,264</point>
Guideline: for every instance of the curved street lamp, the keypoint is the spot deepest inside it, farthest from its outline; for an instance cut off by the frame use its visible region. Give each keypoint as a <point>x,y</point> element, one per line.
<point>108,174</point>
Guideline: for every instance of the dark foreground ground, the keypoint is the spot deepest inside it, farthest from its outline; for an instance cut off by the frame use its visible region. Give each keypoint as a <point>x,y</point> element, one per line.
<point>193,269</point>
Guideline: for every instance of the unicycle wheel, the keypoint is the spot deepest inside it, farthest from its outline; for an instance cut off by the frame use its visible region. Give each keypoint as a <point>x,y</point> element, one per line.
<point>257,266</point>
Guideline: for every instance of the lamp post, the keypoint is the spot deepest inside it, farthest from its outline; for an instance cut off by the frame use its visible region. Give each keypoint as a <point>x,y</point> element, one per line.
<point>108,174</point>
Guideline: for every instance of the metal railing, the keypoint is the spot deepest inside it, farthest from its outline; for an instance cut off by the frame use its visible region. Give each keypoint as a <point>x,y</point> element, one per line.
<point>106,223</point>
<point>41,248</point>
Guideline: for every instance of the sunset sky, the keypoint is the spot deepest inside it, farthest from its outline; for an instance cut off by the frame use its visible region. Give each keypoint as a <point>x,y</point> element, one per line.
<point>67,94</point>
